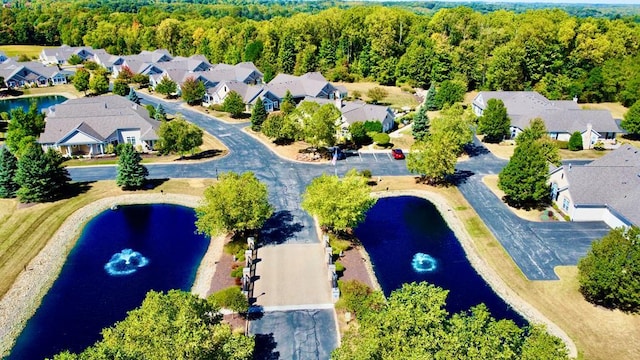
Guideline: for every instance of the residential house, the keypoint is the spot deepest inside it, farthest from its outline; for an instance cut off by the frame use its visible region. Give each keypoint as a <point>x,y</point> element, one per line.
<point>85,126</point>
<point>143,63</point>
<point>31,73</point>
<point>106,60</point>
<point>607,189</point>
<point>60,55</point>
<point>562,118</point>
<point>358,111</point>
<point>249,93</point>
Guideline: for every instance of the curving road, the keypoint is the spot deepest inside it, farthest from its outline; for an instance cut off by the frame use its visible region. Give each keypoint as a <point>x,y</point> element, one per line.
<point>310,333</point>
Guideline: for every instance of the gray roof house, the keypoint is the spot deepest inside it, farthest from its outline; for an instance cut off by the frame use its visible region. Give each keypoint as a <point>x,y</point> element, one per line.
<point>217,94</point>
<point>311,84</point>
<point>31,73</point>
<point>607,189</point>
<point>108,61</point>
<point>359,111</point>
<point>562,118</point>
<point>86,125</point>
<point>61,54</point>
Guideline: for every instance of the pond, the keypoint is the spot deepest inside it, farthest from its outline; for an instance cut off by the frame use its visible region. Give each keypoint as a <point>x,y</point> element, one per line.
<point>120,256</point>
<point>42,102</point>
<point>408,240</point>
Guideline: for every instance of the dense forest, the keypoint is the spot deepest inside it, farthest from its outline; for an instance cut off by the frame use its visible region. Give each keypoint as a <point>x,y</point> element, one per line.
<point>548,50</point>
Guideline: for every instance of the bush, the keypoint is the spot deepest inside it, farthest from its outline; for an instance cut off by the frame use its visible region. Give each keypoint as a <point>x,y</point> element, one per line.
<point>216,107</point>
<point>575,142</point>
<point>356,94</point>
<point>230,298</point>
<point>599,146</point>
<point>358,298</point>
<point>110,149</point>
<point>236,271</point>
<point>91,65</point>
<point>373,126</point>
<point>338,245</point>
<point>366,173</point>
<point>236,247</point>
<point>382,139</point>
<point>339,267</point>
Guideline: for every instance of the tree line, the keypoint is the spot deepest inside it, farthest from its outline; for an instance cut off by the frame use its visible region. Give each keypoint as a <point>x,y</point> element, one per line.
<point>547,50</point>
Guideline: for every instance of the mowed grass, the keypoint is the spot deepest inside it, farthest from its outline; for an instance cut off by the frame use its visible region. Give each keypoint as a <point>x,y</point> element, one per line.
<point>24,231</point>
<point>598,333</point>
<point>396,98</point>
<point>617,110</point>
<point>32,51</point>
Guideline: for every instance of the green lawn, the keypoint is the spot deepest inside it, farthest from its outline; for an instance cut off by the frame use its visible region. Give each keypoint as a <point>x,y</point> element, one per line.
<point>16,50</point>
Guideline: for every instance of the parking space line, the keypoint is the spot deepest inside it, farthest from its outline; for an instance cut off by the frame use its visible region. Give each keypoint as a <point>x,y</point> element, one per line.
<point>360,156</point>
<point>374,156</point>
<point>389,156</point>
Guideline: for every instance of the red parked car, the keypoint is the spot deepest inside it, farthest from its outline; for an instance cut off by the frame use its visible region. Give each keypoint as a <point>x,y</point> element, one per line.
<point>397,154</point>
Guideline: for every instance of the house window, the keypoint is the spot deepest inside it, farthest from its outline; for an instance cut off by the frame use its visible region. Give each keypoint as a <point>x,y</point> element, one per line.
<point>131,140</point>
<point>565,204</point>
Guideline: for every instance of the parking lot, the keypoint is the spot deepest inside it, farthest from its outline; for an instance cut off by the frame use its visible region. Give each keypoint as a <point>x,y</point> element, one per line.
<point>368,157</point>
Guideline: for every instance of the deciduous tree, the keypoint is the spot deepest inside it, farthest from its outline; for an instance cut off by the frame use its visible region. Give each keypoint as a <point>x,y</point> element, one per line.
<point>81,80</point>
<point>131,174</point>
<point>179,136</point>
<point>318,123</point>
<point>340,204</point>
<point>288,104</point>
<point>359,133</point>
<point>608,274</point>
<point>449,93</point>
<point>166,86</point>
<point>175,325</point>
<point>192,91</point>
<point>8,168</point>
<point>236,203</point>
<point>631,122</point>
<point>23,129</point>
<point>377,94</point>
<point>233,104</point>
<point>494,122</point>
<point>99,83</point>
<point>434,159</point>
<point>120,87</point>
<point>524,179</point>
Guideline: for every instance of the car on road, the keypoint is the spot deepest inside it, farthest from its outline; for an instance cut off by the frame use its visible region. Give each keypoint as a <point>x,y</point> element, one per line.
<point>397,154</point>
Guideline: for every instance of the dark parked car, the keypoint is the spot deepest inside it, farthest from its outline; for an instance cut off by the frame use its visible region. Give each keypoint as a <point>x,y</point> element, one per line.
<point>397,154</point>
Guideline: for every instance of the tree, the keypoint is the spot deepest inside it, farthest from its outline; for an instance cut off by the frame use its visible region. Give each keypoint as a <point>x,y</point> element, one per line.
<point>230,298</point>
<point>159,113</point>
<point>99,83</point>
<point>179,136</point>
<point>318,122</point>
<point>141,79</point>
<point>258,115</point>
<point>434,159</point>
<point>608,274</point>
<point>288,104</point>
<point>126,74</point>
<point>537,132</point>
<point>120,87</point>
<point>359,133</point>
<point>340,204</point>
<point>376,94</point>
<point>133,96</point>
<point>175,325</point>
<point>524,179</point>
<point>431,101</point>
<point>8,168</point>
<point>494,122</point>
<point>381,139</point>
<point>449,93</point>
<point>374,126</point>
<point>420,126</point>
<point>74,59</point>
<point>166,86</point>
<point>414,324</point>
<point>23,129</point>
<point>575,141</point>
<point>457,123</point>
<point>81,80</point>
<point>40,175</point>
<point>631,122</point>
<point>192,91</point>
<point>131,174</point>
<point>233,104</point>
<point>236,203</point>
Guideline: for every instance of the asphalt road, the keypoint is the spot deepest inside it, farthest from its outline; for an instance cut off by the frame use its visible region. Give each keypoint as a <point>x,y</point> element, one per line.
<point>311,334</point>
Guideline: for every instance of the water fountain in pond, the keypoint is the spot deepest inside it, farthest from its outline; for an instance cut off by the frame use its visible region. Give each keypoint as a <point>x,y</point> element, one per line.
<point>125,262</point>
<point>423,263</point>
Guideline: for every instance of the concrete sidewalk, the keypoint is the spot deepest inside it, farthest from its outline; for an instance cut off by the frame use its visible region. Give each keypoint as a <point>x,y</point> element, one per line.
<point>289,275</point>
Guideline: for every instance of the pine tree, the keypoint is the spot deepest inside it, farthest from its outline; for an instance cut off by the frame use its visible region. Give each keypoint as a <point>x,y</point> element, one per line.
<point>159,113</point>
<point>40,176</point>
<point>431,101</point>
<point>288,104</point>
<point>258,115</point>
<point>133,96</point>
<point>233,104</point>
<point>8,169</point>
<point>420,127</point>
<point>131,173</point>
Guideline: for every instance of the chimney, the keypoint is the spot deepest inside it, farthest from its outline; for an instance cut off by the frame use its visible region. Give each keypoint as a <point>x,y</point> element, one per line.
<point>337,100</point>
<point>575,98</point>
<point>587,144</point>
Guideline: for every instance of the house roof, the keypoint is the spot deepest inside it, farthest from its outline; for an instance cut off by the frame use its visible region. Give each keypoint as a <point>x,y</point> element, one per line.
<point>98,117</point>
<point>248,92</point>
<point>62,53</point>
<point>310,84</point>
<point>224,72</point>
<point>558,116</point>
<point>613,180</point>
<point>354,111</point>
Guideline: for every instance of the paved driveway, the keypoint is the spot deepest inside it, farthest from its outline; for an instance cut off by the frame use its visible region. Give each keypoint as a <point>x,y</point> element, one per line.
<point>311,334</point>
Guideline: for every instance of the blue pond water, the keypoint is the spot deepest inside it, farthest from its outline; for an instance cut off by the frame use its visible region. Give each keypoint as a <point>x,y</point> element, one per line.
<point>42,102</point>
<point>407,240</point>
<point>162,250</point>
